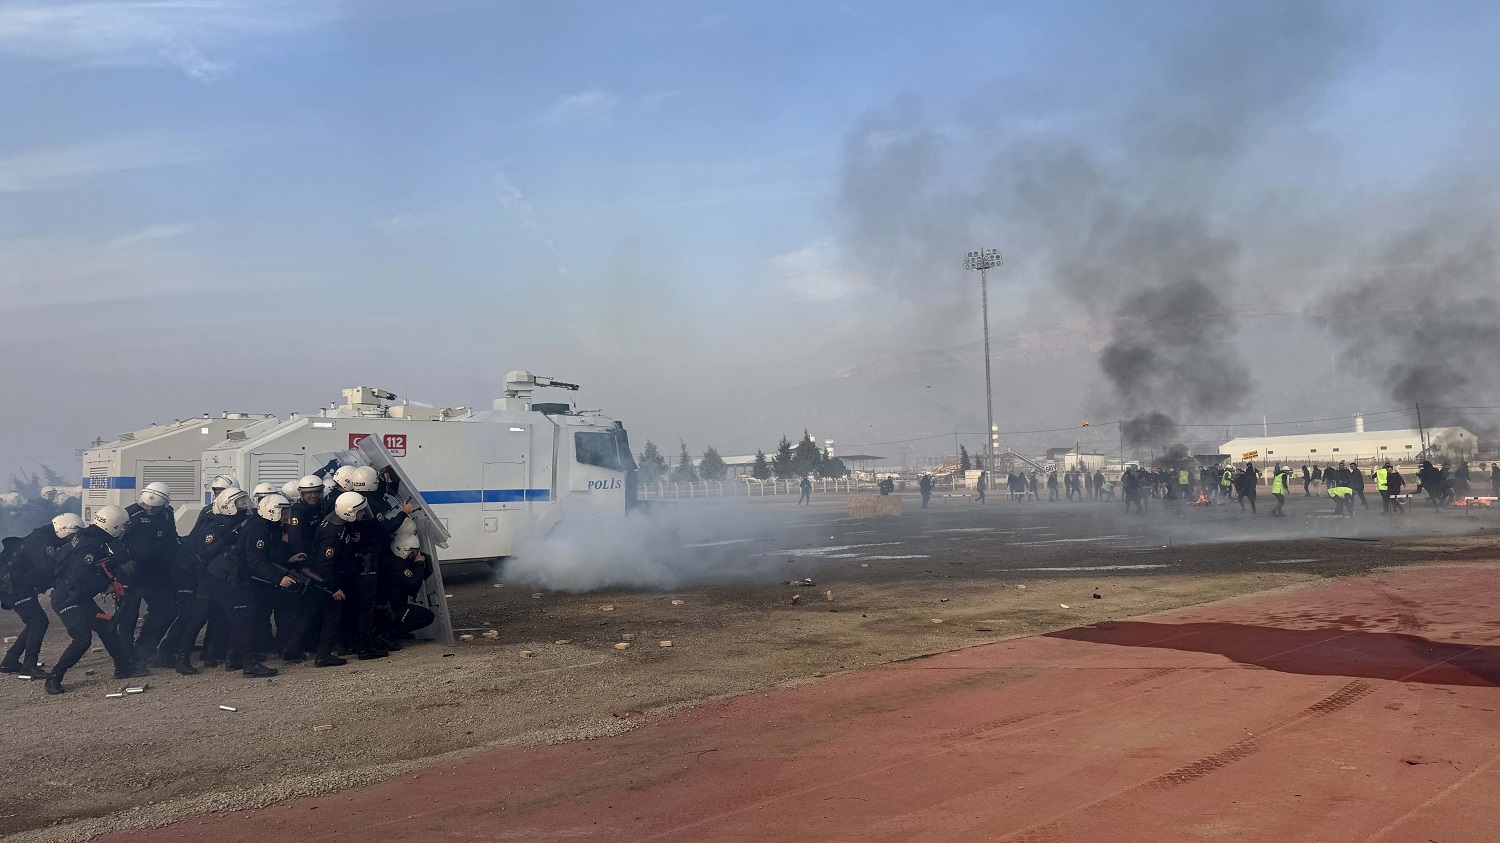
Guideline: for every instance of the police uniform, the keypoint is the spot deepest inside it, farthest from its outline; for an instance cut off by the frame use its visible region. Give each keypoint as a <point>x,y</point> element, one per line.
<point>219,565</point>
<point>360,578</point>
<point>267,558</point>
<point>32,572</point>
<point>152,542</point>
<point>400,582</point>
<point>84,570</point>
<point>329,562</point>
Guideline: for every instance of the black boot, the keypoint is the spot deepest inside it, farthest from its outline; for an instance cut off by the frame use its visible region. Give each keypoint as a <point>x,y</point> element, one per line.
<point>330,661</point>
<point>231,665</point>
<point>12,667</point>
<point>131,671</point>
<point>255,670</point>
<point>372,653</point>
<point>164,659</point>
<point>294,657</point>
<point>184,665</point>
<point>54,685</point>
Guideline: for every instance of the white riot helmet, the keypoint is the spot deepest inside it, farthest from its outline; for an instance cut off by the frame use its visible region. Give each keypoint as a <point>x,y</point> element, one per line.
<point>67,524</point>
<point>289,490</point>
<point>404,545</point>
<point>271,506</point>
<point>341,477</point>
<point>260,492</point>
<point>330,486</point>
<point>155,495</point>
<point>350,505</point>
<point>230,502</point>
<point>112,520</point>
<point>222,482</point>
<point>310,483</point>
<point>364,479</point>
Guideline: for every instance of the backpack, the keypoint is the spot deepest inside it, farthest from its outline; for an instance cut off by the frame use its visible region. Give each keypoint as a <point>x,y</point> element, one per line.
<point>8,557</point>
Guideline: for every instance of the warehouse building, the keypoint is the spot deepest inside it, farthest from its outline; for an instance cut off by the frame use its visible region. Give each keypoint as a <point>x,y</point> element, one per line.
<point>1363,445</point>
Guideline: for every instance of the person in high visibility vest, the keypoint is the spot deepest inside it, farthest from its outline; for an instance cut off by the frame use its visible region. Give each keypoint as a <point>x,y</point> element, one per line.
<point>1226,482</point>
<point>1184,482</point>
<point>1383,486</point>
<point>1343,500</point>
<point>1279,483</point>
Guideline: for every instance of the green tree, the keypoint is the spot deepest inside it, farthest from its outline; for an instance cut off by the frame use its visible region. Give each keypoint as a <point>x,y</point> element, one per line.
<point>831,467</point>
<point>806,456</point>
<point>781,464</point>
<point>653,466</point>
<point>761,468</point>
<point>712,466</point>
<point>963,459</point>
<point>683,471</point>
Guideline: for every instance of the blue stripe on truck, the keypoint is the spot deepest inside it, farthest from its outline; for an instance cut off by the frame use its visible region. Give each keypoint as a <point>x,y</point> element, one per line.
<point>487,496</point>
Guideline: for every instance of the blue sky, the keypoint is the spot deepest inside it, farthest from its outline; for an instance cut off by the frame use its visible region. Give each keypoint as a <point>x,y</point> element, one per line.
<point>237,205</point>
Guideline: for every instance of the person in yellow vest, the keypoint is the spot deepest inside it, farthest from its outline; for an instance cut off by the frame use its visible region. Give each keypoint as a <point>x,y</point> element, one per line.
<point>1383,486</point>
<point>1184,482</point>
<point>1343,498</point>
<point>1226,482</point>
<point>1279,483</point>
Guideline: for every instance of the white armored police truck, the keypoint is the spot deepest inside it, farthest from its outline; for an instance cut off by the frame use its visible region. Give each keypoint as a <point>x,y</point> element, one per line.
<point>115,472</point>
<point>494,477</point>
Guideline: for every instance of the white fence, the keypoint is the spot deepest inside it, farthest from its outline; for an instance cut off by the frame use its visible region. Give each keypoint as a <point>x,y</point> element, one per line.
<point>744,487</point>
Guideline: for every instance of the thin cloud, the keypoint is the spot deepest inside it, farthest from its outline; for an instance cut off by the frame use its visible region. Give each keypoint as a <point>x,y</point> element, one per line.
<point>592,106</point>
<point>60,166</point>
<point>520,210</point>
<point>818,272</point>
<point>189,35</point>
<point>149,234</point>
<point>403,223</point>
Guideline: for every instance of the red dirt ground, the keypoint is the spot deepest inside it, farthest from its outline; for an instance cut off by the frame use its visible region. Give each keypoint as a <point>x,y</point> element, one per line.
<point>1364,709</point>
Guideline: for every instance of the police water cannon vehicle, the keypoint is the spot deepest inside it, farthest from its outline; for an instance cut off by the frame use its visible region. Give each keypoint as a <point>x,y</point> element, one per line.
<point>115,472</point>
<point>494,477</point>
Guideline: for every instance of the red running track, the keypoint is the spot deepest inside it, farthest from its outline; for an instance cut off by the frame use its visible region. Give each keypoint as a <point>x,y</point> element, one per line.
<point>1364,709</point>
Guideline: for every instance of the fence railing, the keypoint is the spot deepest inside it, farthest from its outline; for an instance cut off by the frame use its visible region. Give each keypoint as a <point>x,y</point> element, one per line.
<point>745,487</point>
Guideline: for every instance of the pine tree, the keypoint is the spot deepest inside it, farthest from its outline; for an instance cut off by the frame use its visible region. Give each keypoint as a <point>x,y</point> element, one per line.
<point>806,456</point>
<point>831,467</point>
<point>963,459</point>
<point>653,466</point>
<point>712,466</point>
<point>781,464</point>
<point>761,468</point>
<point>683,471</point>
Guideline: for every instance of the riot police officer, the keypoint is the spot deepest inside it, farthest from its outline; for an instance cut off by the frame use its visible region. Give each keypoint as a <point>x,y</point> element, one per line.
<point>357,537</point>
<point>32,571</point>
<point>151,539</point>
<point>269,560</point>
<point>404,572</point>
<point>85,568</point>
<point>223,581</point>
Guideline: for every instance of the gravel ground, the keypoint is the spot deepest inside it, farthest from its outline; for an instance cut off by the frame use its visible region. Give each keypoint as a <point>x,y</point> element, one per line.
<point>933,580</point>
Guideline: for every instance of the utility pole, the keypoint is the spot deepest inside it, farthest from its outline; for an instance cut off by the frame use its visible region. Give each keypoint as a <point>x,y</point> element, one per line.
<point>1421,434</point>
<point>984,261</point>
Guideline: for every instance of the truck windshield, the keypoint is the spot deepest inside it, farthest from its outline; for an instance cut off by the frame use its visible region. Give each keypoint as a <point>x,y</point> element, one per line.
<point>605,448</point>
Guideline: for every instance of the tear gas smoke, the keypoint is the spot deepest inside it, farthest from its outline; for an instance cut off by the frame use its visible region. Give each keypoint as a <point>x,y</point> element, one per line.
<point>1423,320</point>
<point>1130,228</point>
<point>642,551</point>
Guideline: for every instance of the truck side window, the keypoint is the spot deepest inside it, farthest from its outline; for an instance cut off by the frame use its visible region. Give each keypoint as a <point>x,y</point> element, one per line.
<point>597,448</point>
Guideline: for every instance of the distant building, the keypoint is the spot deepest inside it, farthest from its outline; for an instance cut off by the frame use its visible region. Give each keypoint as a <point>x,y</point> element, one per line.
<point>1366,446</point>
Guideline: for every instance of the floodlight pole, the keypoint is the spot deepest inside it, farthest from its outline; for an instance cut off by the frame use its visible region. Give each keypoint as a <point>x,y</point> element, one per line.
<point>985,261</point>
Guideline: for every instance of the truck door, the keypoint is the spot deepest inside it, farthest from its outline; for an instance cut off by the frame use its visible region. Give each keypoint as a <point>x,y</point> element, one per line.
<point>505,485</point>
